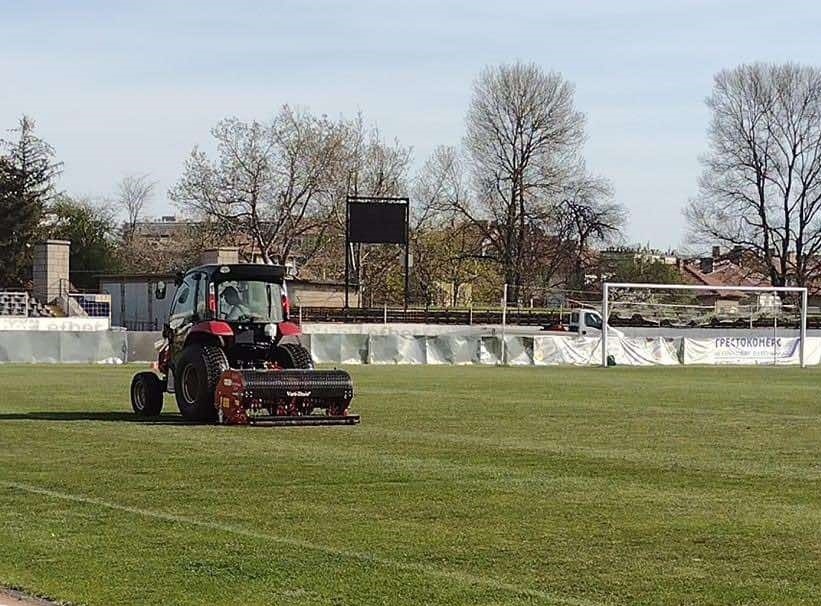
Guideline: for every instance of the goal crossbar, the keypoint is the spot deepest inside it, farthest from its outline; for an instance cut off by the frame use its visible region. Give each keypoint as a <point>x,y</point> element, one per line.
<point>608,286</point>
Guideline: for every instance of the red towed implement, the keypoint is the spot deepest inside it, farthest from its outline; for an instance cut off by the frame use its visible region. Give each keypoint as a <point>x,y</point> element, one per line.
<point>230,354</point>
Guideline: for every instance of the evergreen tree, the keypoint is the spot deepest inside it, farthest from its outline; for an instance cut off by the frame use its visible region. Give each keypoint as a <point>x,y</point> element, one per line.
<point>13,215</point>
<point>28,174</point>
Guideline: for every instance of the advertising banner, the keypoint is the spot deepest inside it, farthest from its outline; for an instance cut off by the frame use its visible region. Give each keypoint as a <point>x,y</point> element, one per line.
<point>744,350</point>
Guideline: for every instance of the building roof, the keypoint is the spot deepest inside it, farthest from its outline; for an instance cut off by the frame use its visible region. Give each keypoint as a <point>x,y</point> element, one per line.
<point>724,273</point>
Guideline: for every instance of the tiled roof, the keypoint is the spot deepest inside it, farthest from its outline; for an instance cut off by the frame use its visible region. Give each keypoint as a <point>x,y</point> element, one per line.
<point>725,273</point>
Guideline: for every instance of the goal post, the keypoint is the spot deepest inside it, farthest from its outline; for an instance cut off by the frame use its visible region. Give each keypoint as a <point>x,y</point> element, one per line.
<point>610,287</point>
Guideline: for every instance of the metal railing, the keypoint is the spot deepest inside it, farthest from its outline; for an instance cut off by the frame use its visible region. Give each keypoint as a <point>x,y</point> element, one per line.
<point>20,304</point>
<point>79,303</point>
<point>93,305</point>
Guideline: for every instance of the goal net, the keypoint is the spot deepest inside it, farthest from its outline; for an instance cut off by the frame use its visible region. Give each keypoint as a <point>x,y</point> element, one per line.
<point>709,324</point>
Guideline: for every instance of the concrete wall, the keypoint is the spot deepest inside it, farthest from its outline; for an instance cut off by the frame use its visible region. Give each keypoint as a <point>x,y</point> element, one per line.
<point>72,324</point>
<point>49,347</point>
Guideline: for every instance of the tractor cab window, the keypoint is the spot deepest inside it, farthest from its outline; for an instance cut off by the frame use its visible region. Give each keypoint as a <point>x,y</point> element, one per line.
<point>202,298</point>
<point>183,308</point>
<point>249,301</point>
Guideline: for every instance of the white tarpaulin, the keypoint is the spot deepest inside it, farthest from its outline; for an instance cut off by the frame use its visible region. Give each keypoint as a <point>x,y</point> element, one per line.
<point>539,350</point>
<point>729,349</point>
<point>451,349</point>
<point>645,351</point>
<point>339,349</point>
<point>519,351</point>
<point>586,351</point>
<point>555,350</point>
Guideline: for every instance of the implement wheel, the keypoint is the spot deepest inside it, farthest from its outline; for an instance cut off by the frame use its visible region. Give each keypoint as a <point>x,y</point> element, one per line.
<point>195,379</point>
<point>146,394</point>
<point>292,355</point>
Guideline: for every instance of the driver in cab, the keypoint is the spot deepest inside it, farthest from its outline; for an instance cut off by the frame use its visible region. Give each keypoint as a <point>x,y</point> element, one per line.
<point>232,307</point>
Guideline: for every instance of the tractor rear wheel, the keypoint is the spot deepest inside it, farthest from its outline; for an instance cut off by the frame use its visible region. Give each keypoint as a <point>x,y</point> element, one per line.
<point>292,355</point>
<point>146,394</point>
<point>195,379</point>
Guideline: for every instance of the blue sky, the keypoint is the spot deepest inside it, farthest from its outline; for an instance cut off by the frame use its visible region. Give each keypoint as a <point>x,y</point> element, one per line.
<point>130,87</point>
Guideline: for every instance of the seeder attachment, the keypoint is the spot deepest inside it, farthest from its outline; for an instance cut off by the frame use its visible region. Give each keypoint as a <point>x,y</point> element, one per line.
<point>284,397</point>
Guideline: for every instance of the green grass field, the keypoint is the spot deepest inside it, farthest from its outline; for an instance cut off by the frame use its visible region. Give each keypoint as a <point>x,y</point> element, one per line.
<point>461,486</point>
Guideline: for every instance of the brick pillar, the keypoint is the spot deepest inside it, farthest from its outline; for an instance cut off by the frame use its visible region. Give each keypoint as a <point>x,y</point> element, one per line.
<point>224,255</point>
<point>50,270</point>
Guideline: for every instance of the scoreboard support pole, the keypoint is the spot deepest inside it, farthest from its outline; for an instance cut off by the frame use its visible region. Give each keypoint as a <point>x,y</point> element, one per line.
<point>347,257</point>
<point>407,259</point>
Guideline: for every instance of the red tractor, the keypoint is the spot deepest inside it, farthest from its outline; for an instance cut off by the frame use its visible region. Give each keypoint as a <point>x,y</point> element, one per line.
<point>231,354</point>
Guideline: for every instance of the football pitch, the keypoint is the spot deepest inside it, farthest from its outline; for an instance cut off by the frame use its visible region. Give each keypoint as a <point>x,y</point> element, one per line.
<point>462,485</point>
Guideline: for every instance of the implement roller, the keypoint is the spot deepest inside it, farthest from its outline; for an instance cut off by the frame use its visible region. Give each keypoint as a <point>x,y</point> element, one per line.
<point>284,397</point>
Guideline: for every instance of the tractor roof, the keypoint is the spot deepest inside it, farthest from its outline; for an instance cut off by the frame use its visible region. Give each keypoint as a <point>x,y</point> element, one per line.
<point>242,271</point>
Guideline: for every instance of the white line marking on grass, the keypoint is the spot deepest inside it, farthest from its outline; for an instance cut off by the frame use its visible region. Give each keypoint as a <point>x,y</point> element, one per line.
<point>425,569</point>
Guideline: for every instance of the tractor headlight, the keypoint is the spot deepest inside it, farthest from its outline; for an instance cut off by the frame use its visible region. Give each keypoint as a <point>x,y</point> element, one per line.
<point>270,330</point>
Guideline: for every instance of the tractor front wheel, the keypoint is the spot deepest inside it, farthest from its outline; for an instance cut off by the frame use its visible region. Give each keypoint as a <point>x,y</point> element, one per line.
<point>146,394</point>
<point>195,379</point>
<point>292,355</point>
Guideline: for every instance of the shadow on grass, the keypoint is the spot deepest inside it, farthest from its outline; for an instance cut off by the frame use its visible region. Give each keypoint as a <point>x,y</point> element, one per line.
<point>120,417</point>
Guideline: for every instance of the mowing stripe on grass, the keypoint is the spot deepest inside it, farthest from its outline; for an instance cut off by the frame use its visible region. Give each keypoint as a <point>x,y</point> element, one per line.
<point>427,570</point>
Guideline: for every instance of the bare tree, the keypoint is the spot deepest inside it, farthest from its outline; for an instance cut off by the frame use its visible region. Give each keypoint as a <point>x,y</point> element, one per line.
<point>133,192</point>
<point>523,136</point>
<point>271,182</point>
<point>441,188</point>
<point>437,190</point>
<point>590,218</point>
<point>447,247</point>
<point>161,255</point>
<point>761,183</point>
<point>373,167</point>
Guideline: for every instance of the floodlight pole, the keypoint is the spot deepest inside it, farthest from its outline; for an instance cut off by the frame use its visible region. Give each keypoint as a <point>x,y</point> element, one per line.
<point>803,328</point>
<point>504,321</point>
<point>604,323</point>
<point>407,256</point>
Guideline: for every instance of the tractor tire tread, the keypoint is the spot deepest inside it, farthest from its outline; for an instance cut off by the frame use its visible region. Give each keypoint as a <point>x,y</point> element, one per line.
<point>294,355</point>
<point>154,389</point>
<point>214,363</point>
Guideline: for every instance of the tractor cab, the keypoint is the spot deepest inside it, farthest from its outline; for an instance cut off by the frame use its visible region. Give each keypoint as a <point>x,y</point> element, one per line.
<point>243,309</point>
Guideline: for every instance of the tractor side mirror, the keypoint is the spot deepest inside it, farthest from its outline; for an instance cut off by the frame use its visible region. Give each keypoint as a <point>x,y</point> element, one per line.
<point>159,290</point>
